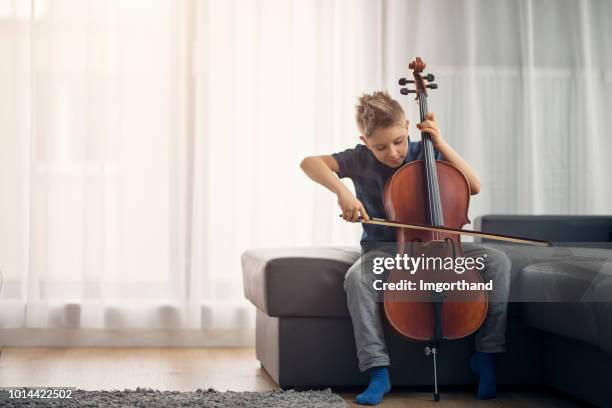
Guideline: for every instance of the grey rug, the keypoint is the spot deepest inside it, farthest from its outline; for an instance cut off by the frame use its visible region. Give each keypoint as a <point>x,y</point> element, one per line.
<point>146,397</point>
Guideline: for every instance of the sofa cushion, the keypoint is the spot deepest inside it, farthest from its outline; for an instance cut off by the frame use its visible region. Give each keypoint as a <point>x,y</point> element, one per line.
<point>303,282</point>
<point>572,298</point>
<point>522,256</point>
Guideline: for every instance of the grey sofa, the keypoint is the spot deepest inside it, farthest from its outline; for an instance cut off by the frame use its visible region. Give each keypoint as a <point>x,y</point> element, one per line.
<point>559,330</point>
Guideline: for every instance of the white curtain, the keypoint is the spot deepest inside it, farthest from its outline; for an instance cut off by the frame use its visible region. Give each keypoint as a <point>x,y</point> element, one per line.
<point>96,226</point>
<point>525,91</point>
<point>144,145</point>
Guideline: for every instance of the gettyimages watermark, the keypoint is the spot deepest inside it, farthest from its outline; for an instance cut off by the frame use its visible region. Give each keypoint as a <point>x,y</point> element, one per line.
<point>414,263</point>
<point>566,273</point>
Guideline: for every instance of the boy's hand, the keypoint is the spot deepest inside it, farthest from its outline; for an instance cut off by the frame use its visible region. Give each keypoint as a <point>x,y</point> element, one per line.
<point>429,126</point>
<point>351,207</point>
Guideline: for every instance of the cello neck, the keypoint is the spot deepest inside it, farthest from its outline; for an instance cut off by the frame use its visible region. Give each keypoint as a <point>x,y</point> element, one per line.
<point>434,204</point>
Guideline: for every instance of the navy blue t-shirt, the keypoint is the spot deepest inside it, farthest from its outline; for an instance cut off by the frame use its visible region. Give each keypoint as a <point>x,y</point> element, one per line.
<point>369,177</point>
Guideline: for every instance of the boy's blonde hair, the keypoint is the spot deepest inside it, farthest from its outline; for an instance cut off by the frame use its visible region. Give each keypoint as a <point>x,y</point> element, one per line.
<point>378,110</point>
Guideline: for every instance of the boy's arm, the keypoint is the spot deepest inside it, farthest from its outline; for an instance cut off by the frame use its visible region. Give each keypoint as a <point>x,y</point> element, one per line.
<point>450,155</point>
<point>321,169</point>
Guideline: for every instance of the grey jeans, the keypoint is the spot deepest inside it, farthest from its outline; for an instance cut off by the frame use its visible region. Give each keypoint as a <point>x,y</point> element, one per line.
<point>366,309</point>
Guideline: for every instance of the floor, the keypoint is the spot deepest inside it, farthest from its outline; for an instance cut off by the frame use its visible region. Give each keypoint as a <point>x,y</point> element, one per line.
<point>186,369</point>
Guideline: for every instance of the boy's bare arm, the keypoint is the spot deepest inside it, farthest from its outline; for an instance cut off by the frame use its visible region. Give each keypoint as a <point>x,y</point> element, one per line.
<point>321,169</point>
<point>451,156</point>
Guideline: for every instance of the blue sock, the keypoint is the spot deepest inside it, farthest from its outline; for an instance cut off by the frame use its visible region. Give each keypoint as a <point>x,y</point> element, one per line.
<point>483,364</point>
<point>379,386</point>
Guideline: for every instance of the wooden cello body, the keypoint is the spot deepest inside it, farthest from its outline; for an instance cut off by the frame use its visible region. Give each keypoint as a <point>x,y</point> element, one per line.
<point>413,313</point>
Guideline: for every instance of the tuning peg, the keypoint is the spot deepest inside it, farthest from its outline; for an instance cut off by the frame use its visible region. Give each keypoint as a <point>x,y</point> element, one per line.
<point>432,86</point>
<point>429,77</point>
<point>404,81</point>
<point>406,91</point>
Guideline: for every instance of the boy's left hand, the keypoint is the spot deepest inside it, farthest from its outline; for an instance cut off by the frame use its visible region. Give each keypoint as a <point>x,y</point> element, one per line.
<point>429,126</point>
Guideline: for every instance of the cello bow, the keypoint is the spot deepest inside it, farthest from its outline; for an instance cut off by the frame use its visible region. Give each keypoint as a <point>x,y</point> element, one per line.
<point>487,235</point>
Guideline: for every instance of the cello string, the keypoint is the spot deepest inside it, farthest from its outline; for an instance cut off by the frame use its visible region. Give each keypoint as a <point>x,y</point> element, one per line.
<point>431,171</point>
<point>436,184</point>
<point>435,187</point>
<point>427,162</point>
<point>428,169</point>
<point>424,146</point>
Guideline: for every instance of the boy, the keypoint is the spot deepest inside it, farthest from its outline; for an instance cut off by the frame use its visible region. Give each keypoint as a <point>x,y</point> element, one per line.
<point>384,132</point>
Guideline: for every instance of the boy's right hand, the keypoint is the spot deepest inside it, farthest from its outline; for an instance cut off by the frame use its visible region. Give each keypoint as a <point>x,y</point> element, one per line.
<point>351,207</point>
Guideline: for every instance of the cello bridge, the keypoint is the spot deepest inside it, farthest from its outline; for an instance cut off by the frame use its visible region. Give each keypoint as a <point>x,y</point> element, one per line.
<point>435,244</point>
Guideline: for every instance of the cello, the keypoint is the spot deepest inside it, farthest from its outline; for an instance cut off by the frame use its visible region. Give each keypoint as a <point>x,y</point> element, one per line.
<point>429,199</point>
<point>435,193</point>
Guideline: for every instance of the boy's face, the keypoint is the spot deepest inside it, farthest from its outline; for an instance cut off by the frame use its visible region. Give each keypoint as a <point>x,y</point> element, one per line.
<point>389,145</point>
